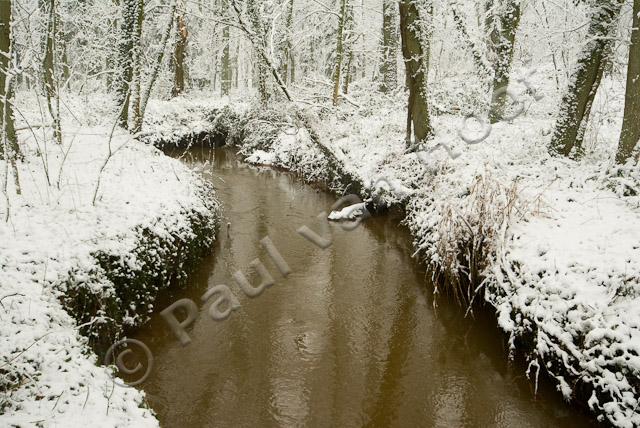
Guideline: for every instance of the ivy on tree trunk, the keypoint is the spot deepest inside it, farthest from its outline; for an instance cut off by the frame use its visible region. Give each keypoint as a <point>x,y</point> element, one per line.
<point>631,121</point>
<point>388,65</point>
<point>287,70</point>
<point>6,93</point>
<point>48,66</point>
<point>502,25</point>
<point>255,17</point>
<point>179,54</point>
<point>585,80</point>
<point>415,50</point>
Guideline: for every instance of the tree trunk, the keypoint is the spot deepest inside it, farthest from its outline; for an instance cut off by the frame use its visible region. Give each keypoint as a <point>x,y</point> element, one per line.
<point>111,75</point>
<point>286,71</point>
<point>348,73</point>
<point>48,61</point>
<point>6,108</point>
<point>64,37</point>
<point>339,51</point>
<point>415,50</point>
<point>389,65</point>
<point>631,122</point>
<point>585,80</point>
<point>292,68</point>
<point>258,43</point>
<point>225,72</point>
<point>289,58</point>
<point>477,53</point>
<point>48,66</point>
<point>503,26</point>
<point>136,92</point>
<point>146,94</point>
<point>179,53</point>
<point>253,11</point>
<point>66,70</point>
<point>235,70</point>
<point>125,59</point>
<point>349,41</point>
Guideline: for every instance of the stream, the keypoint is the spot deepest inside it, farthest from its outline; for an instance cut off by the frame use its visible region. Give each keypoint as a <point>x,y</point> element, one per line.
<point>349,338</point>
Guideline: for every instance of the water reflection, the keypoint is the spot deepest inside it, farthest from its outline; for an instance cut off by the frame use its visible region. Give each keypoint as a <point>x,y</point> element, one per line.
<point>349,338</point>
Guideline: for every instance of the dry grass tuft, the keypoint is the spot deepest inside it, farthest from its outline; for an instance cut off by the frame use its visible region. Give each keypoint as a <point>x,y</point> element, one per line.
<point>468,232</point>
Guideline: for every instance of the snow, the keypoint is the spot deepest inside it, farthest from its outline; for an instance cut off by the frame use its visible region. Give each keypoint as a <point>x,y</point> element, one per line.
<point>180,116</point>
<point>260,157</point>
<point>292,149</point>
<point>351,212</point>
<point>561,239</point>
<point>48,374</point>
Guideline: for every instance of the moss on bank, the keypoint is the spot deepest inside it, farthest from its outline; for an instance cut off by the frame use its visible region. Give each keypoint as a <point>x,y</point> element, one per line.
<point>119,291</point>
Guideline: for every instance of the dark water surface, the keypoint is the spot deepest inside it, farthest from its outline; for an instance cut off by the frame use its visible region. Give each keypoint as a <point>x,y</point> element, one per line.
<point>350,338</point>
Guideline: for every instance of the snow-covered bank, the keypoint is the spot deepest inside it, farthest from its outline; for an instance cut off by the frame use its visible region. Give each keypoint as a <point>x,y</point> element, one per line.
<point>184,121</point>
<point>553,245</point>
<point>86,246</point>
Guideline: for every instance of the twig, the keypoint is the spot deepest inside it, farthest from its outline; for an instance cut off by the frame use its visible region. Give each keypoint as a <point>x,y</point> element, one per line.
<point>9,295</point>
<point>64,159</point>
<point>58,400</point>
<point>86,400</point>
<point>111,153</point>
<point>41,125</point>
<point>25,350</point>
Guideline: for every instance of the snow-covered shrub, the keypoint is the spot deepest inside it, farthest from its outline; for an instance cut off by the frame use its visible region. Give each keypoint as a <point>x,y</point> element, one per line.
<point>624,180</point>
<point>260,128</point>
<point>458,235</point>
<point>224,123</point>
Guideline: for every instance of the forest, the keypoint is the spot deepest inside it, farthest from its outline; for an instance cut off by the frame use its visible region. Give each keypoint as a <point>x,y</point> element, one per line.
<point>438,199</point>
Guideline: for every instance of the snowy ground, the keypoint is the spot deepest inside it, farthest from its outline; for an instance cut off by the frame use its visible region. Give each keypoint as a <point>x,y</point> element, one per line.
<point>559,241</point>
<point>48,375</point>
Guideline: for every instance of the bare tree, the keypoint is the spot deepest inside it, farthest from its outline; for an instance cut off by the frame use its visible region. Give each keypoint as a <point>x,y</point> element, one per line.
<point>337,69</point>
<point>6,93</point>
<point>503,20</point>
<point>144,99</point>
<point>258,41</point>
<point>255,17</point>
<point>225,73</point>
<point>288,70</point>
<point>415,49</point>
<point>179,53</point>
<point>585,80</point>
<point>477,51</point>
<point>349,39</point>
<point>128,55</point>
<point>48,67</point>
<point>389,65</point>
<point>136,79</point>
<point>631,122</point>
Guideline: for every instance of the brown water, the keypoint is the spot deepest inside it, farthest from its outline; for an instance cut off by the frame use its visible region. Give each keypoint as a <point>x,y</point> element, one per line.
<point>349,338</point>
